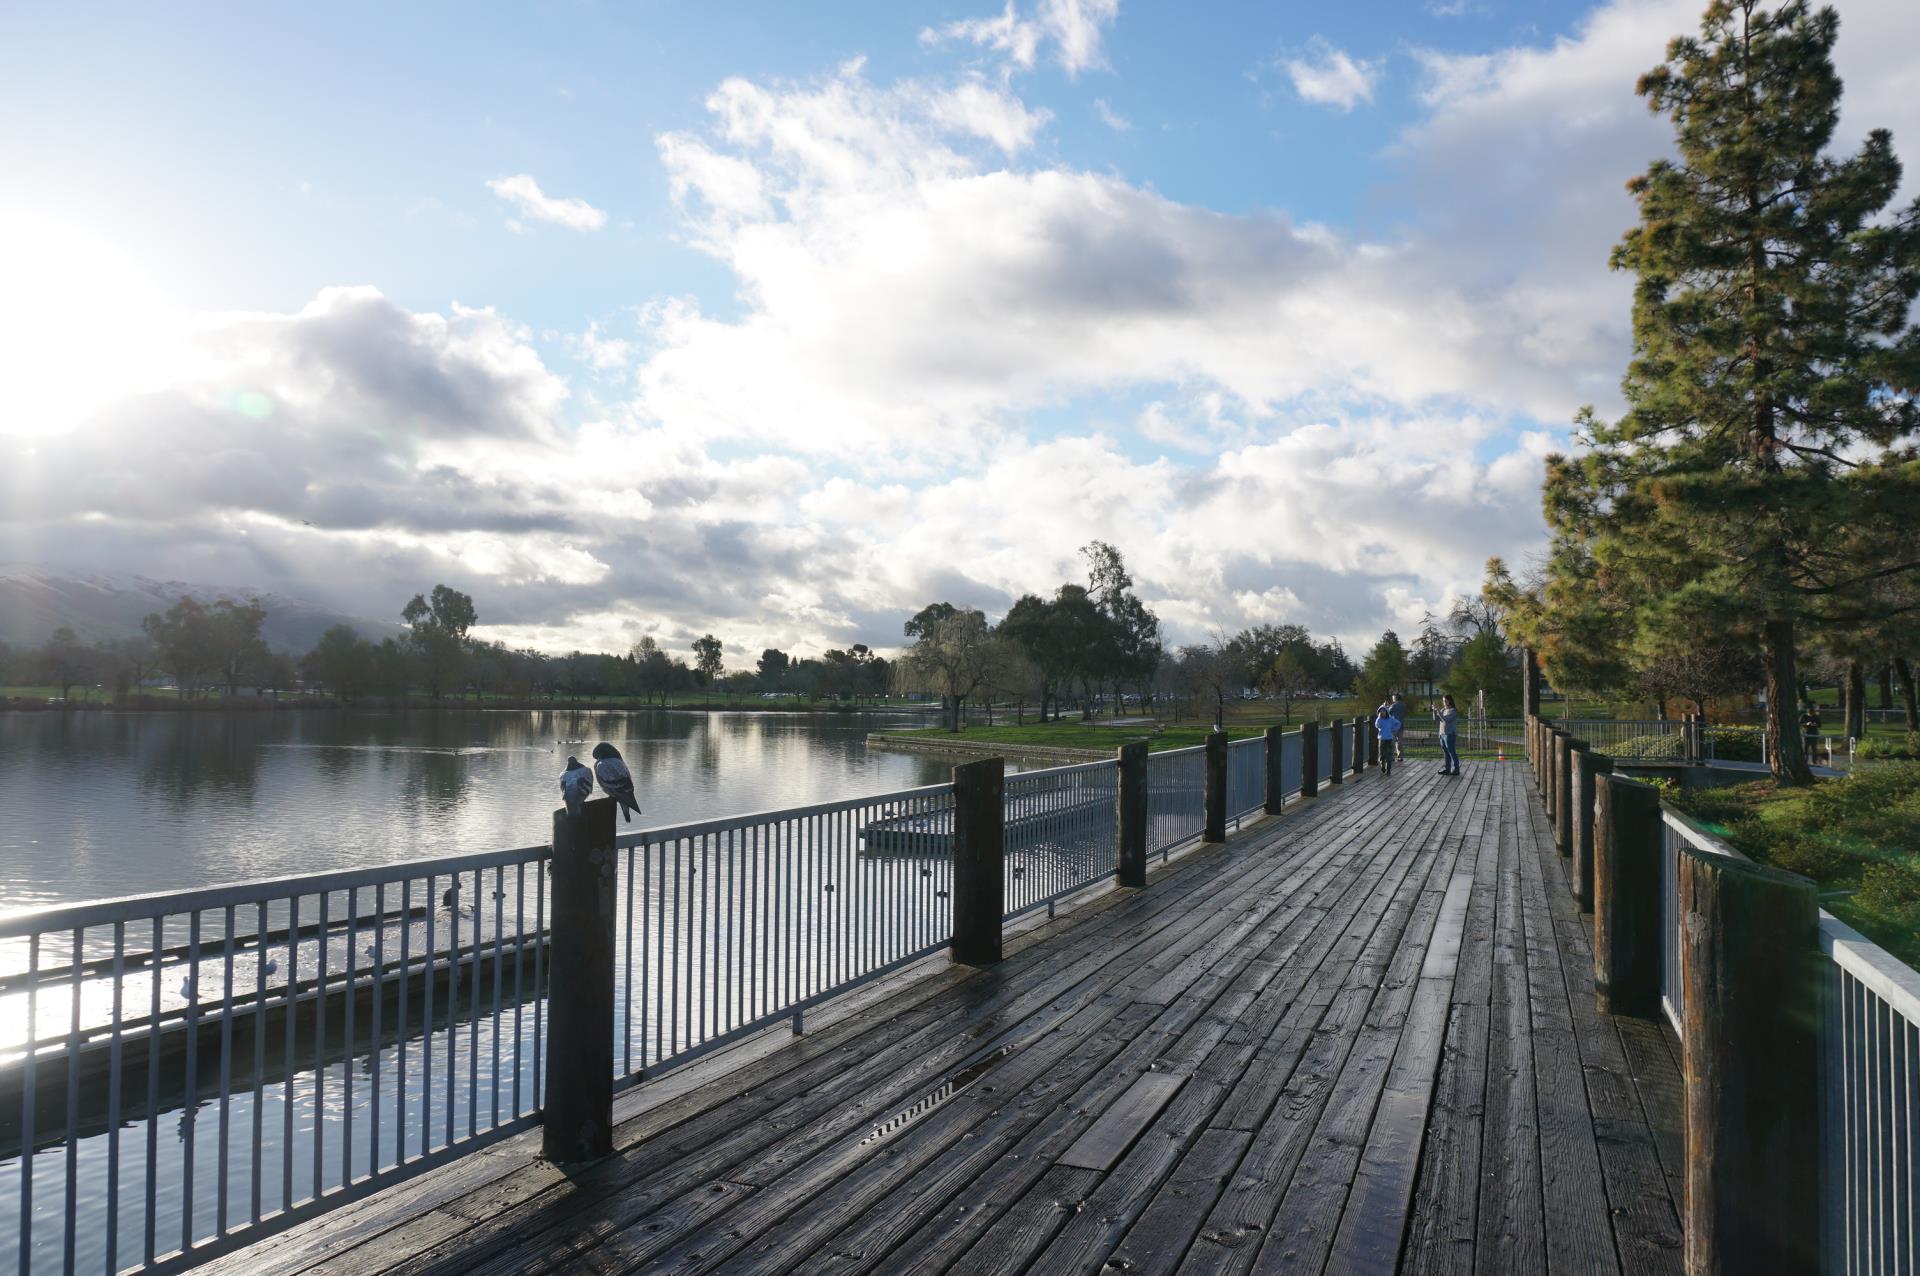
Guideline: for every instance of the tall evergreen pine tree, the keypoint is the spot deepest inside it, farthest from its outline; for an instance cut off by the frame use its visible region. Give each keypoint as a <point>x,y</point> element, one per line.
<point>1771,393</point>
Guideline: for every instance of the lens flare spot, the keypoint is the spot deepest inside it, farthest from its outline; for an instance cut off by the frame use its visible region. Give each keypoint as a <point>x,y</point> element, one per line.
<point>251,404</point>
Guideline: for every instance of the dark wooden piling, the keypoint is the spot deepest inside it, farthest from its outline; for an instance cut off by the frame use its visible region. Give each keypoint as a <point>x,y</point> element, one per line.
<point>1216,755</point>
<point>979,860</point>
<point>1275,781</point>
<point>1563,792</point>
<point>1626,897</point>
<point>1748,945</point>
<point>1529,683</point>
<point>1336,733</point>
<point>577,1114</point>
<point>1131,813</point>
<point>1588,767</point>
<point>1310,759</point>
<point>1360,734</point>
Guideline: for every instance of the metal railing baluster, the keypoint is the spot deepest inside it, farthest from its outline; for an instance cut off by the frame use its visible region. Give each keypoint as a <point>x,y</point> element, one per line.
<point>114,1099</point>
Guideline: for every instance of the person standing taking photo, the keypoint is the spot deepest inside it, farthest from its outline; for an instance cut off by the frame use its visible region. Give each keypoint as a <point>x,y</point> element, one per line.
<point>1449,718</point>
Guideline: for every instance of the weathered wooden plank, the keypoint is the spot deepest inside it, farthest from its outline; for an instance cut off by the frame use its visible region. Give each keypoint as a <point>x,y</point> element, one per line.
<point>1108,1139</point>
<point>1375,1216</point>
<point>935,1240</point>
<point>1159,1238</point>
<point>1574,1199</point>
<point>1511,1218</point>
<point>1441,1230</point>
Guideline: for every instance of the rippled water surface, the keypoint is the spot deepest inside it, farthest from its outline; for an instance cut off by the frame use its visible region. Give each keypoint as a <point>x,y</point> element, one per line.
<point>97,804</point>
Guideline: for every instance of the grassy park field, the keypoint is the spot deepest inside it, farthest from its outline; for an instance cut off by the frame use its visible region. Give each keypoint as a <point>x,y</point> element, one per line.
<point>1855,836</point>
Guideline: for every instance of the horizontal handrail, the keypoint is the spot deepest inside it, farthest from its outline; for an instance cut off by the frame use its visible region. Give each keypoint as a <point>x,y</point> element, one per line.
<point>1886,976</point>
<point>127,908</point>
<point>701,828</point>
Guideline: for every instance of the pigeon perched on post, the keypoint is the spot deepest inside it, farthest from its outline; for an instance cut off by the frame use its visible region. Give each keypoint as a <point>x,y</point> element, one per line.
<point>615,779</point>
<point>576,782</point>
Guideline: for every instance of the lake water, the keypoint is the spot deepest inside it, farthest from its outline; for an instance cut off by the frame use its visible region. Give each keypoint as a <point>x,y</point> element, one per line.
<point>103,804</point>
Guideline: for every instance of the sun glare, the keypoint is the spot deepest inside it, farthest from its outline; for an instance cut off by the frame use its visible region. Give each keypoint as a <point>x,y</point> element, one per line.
<point>80,325</point>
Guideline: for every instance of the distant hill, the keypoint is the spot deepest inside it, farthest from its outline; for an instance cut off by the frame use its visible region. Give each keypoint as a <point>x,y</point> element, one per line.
<point>100,606</point>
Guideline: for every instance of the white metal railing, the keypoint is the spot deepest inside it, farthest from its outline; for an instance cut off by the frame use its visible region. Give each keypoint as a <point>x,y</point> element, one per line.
<point>1869,1048</point>
<point>182,1073</point>
<point>1870,1060</point>
<point>305,1039</point>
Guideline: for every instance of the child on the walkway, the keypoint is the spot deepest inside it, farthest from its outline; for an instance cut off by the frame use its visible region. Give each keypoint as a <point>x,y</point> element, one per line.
<point>1388,727</point>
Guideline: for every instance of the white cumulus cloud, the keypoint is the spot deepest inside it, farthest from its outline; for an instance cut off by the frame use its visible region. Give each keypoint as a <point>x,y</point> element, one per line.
<point>1072,28</point>
<point>1332,77</point>
<point>525,194</point>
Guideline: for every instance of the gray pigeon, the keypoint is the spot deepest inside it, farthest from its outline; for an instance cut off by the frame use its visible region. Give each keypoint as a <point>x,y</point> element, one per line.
<point>615,779</point>
<point>576,782</point>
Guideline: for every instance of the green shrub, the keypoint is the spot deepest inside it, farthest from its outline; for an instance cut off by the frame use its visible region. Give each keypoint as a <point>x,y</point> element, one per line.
<point>1737,744</point>
<point>1892,889</point>
<point>1649,747</point>
<point>1789,849</point>
<point>1877,748</point>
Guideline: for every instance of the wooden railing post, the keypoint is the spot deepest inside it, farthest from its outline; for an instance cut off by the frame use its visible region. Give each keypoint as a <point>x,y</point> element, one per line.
<point>577,1111</point>
<point>1359,745</point>
<point>1627,844</point>
<point>1372,742</point>
<point>1131,813</point>
<point>1563,792</point>
<point>1529,683</point>
<point>1588,767</point>
<point>1748,943</point>
<point>979,863</point>
<point>1216,827</point>
<point>1336,733</point>
<point>1310,759</point>
<point>1275,779</point>
<point>1551,780</point>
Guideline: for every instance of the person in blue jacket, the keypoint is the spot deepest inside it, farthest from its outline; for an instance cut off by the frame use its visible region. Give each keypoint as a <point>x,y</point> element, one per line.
<point>1388,728</point>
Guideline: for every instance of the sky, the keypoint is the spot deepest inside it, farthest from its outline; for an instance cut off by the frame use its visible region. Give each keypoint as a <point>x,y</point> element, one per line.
<point>780,321</point>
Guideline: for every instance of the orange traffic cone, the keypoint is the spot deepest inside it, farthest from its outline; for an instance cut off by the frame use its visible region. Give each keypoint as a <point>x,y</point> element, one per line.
<point>1503,754</point>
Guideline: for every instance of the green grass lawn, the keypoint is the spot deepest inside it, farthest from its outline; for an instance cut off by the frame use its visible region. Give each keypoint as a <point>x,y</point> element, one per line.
<point>1251,719</point>
<point>89,694</point>
<point>1858,837</point>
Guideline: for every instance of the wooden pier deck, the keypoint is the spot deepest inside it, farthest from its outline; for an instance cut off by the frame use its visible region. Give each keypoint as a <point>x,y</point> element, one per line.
<point>1357,1038</point>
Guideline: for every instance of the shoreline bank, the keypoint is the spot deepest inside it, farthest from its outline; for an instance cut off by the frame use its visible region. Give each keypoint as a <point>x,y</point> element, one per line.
<point>984,748</point>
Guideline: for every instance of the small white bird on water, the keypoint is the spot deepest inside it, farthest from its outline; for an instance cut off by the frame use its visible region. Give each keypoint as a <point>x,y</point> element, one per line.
<point>615,779</point>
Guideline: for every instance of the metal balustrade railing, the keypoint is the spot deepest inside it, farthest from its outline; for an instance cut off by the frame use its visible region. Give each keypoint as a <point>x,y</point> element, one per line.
<point>1061,834</point>
<point>1246,778</point>
<point>1869,1045</point>
<point>728,925</point>
<point>1629,740</point>
<point>1323,759</point>
<point>1176,798</point>
<point>183,1073</point>
<point>302,1041</point>
<point>1292,752</point>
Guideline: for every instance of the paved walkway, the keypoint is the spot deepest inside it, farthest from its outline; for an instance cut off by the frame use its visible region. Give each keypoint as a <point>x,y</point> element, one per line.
<point>1356,1038</point>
